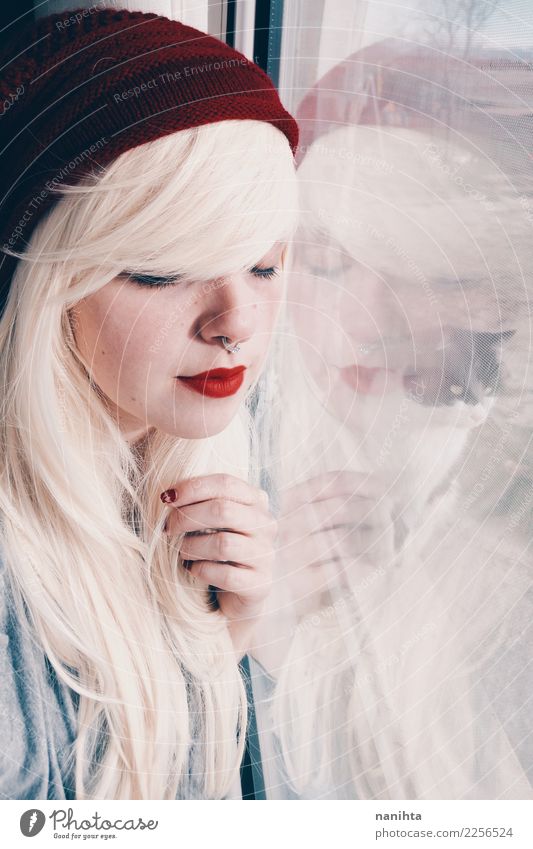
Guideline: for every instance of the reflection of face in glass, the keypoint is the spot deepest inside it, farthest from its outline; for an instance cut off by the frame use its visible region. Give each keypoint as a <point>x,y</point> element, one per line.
<point>394,304</point>
<point>368,336</point>
<point>393,292</point>
<point>356,323</point>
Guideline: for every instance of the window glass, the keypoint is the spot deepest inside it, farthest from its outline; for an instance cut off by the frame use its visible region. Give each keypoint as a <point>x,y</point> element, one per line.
<point>395,660</point>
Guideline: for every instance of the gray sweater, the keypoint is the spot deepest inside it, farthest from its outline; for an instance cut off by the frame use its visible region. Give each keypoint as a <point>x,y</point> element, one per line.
<point>37,713</point>
<point>38,716</point>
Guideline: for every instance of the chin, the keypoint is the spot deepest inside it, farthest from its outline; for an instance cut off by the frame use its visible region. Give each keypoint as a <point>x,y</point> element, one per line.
<point>203,430</point>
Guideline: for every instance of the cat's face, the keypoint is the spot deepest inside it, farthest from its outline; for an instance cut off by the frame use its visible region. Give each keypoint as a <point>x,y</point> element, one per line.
<point>468,372</point>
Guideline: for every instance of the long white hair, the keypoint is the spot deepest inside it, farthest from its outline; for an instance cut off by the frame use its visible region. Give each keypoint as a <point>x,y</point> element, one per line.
<point>121,621</point>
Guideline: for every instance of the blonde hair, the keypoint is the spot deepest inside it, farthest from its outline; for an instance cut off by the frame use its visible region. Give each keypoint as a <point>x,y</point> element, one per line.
<point>119,618</point>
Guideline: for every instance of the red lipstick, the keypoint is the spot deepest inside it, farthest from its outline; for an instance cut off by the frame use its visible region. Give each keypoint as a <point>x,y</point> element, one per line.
<point>217,382</point>
<point>371,381</point>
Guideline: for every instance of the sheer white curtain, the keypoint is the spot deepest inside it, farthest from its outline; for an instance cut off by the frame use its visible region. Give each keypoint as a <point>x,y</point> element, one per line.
<point>397,658</point>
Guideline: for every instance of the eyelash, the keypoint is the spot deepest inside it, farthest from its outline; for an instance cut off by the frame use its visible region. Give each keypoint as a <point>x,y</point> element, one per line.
<point>146,280</point>
<point>266,273</point>
<point>161,282</point>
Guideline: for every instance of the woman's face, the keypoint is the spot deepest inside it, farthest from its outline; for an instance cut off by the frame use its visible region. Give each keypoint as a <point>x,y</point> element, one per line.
<point>347,318</point>
<point>364,336</point>
<point>140,341</point>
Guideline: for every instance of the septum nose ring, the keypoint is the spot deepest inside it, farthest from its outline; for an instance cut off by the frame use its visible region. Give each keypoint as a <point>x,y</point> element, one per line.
<point>228,347</point>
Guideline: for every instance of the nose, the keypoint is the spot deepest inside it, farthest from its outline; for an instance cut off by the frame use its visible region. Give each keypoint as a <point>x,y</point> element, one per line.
<point>395,309</point>
<point>369,309</point>
<point>230,310</point>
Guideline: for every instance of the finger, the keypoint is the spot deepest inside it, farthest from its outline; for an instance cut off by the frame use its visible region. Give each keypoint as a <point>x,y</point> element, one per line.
<point>315,549</point>
<point>205,487</point>
<point>319,515</point>
<point>362,542</point>
<point>223,546</point>
<point>309,582</point>
<point>229,578</point>
<point>331,484</point>
<point>348,544</point>
<point>221,514</point>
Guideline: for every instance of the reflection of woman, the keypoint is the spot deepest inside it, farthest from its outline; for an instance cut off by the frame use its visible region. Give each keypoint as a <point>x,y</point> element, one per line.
<point>408,607</point>
<point>168,206</point>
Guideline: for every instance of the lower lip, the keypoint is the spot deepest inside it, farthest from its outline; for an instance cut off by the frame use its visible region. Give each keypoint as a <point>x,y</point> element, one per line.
<point>371,381</point>
<point>215,387</point>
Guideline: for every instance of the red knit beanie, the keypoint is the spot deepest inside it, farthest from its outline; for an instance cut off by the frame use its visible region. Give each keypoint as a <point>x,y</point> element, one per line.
<point>80,87</point>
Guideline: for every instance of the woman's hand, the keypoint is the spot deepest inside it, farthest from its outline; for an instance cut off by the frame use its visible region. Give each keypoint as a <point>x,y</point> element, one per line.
<point>229,544</point>
<point>335,527</point>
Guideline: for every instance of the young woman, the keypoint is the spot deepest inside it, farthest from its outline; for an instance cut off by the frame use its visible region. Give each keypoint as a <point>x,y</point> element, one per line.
<point>147,198</point>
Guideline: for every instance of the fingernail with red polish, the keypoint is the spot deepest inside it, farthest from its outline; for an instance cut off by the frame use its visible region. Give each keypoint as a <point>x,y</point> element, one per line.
<point>168,496</point>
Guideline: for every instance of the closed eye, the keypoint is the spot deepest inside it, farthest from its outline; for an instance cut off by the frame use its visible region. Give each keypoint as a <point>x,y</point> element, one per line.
<point>160,281</point>
<point>265,272</point>
<point>150,279</point>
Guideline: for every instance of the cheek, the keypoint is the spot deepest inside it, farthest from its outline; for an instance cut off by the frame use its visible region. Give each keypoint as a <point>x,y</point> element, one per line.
<point>266,312</point>
<point>114,341</point>
<point>273,308</point>
<point>322,335</point>
<point>316,320</point>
